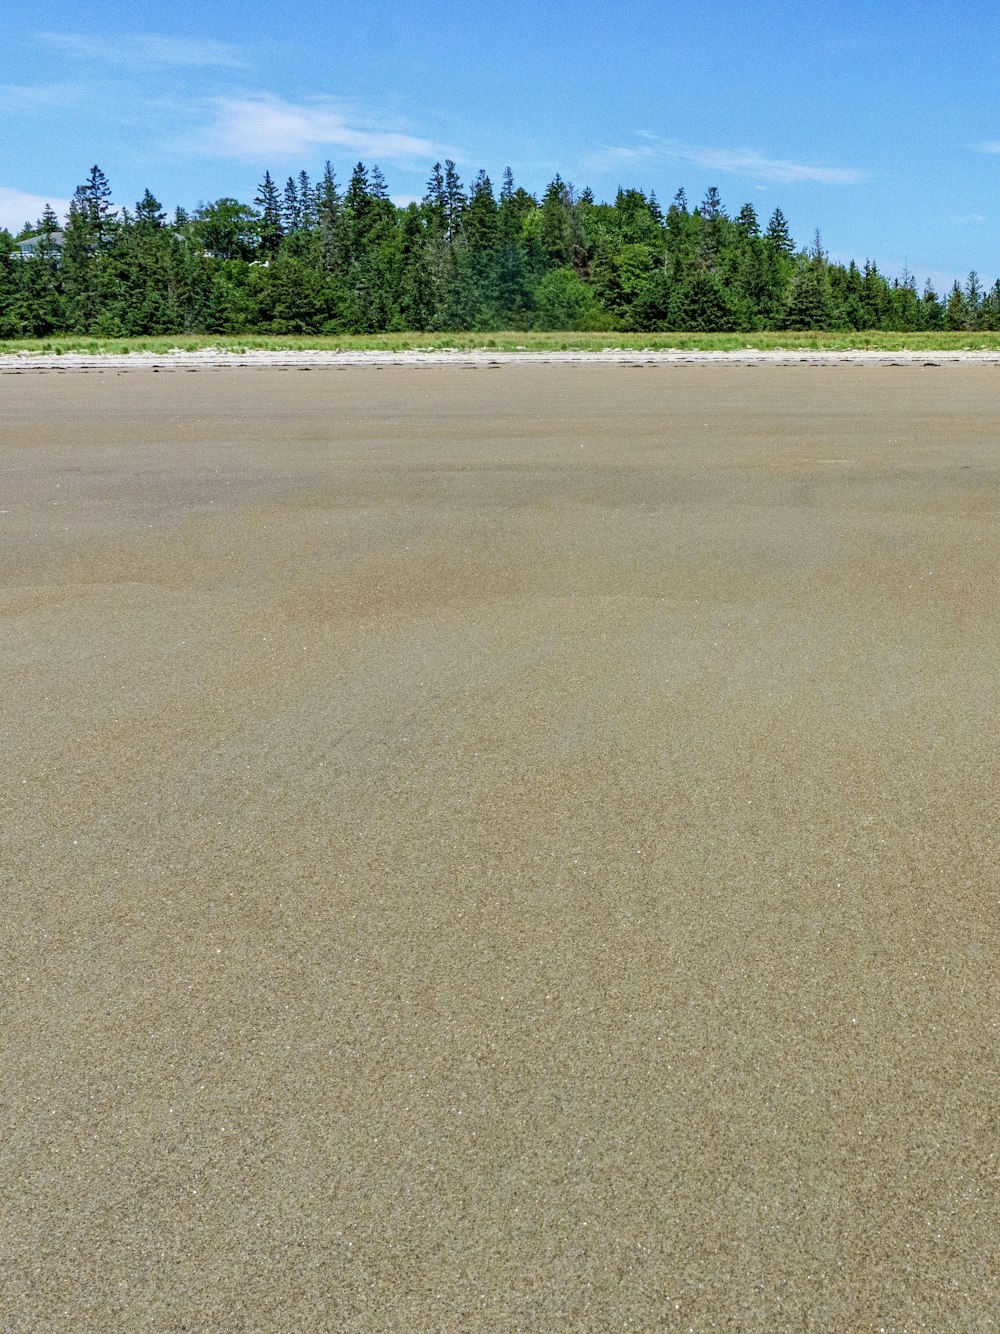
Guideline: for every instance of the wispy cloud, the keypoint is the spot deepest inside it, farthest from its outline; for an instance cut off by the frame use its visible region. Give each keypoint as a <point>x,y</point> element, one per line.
<point>988,146</point>
<point>731,161</point>
<point>255,127</point>
<point>147,49</point>
<point>15,97</point>
<point>18,207</point>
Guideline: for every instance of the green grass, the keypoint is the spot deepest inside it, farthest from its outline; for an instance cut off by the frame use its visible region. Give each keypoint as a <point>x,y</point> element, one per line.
<point>513,341</point>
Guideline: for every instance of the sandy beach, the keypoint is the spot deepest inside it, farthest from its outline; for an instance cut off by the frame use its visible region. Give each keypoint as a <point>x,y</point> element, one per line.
<point>500,847</point>
<point>23,362</point>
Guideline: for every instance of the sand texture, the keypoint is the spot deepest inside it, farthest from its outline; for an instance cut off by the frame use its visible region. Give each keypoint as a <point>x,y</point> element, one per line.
<point>500,849</point>
<point>209,358</point>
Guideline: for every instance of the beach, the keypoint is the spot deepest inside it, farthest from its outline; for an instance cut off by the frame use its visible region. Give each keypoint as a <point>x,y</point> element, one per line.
<point>500,846</point>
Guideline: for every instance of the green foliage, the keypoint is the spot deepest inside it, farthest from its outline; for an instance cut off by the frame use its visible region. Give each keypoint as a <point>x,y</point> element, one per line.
<point>312,259</point>
<point>810,303</point>
<point>701,304</point>
<point>564,301</point>
<point>226,229</point>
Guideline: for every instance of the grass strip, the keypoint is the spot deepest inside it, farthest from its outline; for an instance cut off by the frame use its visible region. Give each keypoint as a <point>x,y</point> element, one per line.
<point>512,341</point>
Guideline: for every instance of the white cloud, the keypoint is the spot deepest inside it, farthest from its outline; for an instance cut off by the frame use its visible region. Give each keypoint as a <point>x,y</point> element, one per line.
<point>988,146</point>
<point>731,161</point>
<point>255,127</point>
<point>18,207</point>
<point>16,97</point>
<point>147,48</point>
<point>745,162</point>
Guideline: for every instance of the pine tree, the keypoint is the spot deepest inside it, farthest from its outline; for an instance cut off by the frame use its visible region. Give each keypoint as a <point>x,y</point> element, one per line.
<point>556,204</point>
<point>37,308</point>
<point>956,315</point>
<point>307,202</point>
<point>973,300</point>
<point>480,223</point>
<point>747,226</point>
<point>875,297</point>
<point>809,303</point>
<point>904,303</point>
<point>682,240</point>
<point>651,311</point>
<point>328,204</point>
<point>989,310</point>
<point>95,196</point>
<point>931,310</point>
<point>9,276</point>
<point>435,201</point>
<point>269,209</point>
<point>137,281</point>
<point>712,229</point>
<point>149,212</point>
<point>701,305</point>
<point>454,200</point>
<point>80,269</point>
<point>291,208</point>
<point>777,234</point>
<point>357,203</point>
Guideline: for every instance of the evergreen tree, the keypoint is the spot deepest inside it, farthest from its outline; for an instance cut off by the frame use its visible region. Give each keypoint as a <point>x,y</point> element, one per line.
<point>956,315</point>
<point>149,213</point>
<point>875,299</point>
<point>712,222</point>
<point>328,204</point>
<point>307,202</point>
<point>682,240</point>
<point>358,207</point>
<point>747,226</point>
<point>651,311</point>
<point>989,311</point>
<point>904,303</point>
<point>9,275</point>
<point>481,220</point>
<point>777,234</point>
<point>291,208</point>
<point>37,307</point>
<point>454,200</point>
<point>847,295</point>
<point>931,310</point>
<point>270,229</point>
<point>436,201</point>
<point>973,300</point>
<point>94,197</point>
<point>555,222</point>
<point>80,268</point>
<point>809,302</point>
<point>701,305</point>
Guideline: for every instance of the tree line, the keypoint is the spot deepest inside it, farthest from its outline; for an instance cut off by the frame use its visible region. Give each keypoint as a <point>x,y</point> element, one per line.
<point>316,257</point>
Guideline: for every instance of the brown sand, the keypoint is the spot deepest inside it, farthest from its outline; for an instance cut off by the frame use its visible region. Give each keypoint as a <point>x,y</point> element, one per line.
<point>499,849</point>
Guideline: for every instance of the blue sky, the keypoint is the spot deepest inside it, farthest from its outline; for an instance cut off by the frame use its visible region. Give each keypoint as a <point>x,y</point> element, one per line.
<point>879,123</point>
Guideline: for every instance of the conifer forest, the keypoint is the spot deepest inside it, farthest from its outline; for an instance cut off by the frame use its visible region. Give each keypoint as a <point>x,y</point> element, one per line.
<point>311,257</point>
